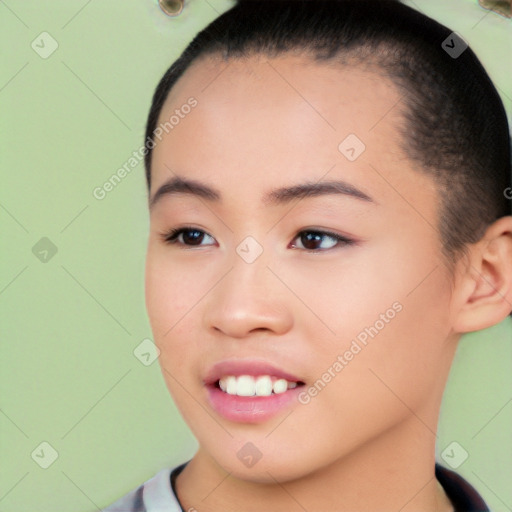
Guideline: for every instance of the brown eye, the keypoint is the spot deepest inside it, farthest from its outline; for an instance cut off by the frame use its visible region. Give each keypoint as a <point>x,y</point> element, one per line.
<point>189,236</point>
<point>192,237</point>
<point>312,240</point>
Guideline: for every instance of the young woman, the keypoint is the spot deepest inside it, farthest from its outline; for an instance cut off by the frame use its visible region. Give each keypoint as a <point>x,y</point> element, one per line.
<point>326,190</point>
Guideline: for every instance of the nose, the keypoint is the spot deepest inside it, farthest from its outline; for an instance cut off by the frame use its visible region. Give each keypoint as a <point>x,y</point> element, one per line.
<point>249,298</point>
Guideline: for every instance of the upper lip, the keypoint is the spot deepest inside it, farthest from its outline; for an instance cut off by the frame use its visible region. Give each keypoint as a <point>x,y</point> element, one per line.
<point>245,367</point>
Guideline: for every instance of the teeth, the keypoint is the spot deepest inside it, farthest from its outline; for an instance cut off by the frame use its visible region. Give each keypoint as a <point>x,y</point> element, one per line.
<point>263,386</point>
<point>247,385</point>
<point>231,385</point>
<point>280,386</point>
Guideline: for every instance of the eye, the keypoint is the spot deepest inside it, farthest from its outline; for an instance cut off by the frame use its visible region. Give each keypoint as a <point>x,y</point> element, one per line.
<point>191,236</point>
<point>310,238</point>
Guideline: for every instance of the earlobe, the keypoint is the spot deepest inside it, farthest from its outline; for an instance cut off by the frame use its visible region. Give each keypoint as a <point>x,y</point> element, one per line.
<point>485,290</point>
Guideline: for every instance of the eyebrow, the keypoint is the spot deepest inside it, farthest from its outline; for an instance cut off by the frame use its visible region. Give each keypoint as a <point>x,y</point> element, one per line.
<point>179,185</point>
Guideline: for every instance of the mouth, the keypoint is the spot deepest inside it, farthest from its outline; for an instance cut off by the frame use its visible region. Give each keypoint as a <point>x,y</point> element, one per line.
<point>250,391</point>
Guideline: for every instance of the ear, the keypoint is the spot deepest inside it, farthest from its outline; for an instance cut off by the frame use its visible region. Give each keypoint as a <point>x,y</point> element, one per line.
<point>483,293</point>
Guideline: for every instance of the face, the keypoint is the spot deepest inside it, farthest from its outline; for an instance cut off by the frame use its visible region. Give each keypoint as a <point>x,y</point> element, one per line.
<point>344,293</point>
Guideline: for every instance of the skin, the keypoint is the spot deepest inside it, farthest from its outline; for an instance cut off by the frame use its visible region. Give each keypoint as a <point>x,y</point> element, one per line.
<point>366,442</point>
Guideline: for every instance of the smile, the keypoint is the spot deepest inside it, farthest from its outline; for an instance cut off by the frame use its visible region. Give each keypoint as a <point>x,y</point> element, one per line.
<point>248,385</point>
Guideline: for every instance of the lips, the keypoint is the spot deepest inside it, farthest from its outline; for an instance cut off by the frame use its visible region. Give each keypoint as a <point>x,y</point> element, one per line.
<point>245,407</point>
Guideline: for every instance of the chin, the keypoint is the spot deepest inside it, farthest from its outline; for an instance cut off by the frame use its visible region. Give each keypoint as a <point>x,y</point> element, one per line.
<point>291,465</point>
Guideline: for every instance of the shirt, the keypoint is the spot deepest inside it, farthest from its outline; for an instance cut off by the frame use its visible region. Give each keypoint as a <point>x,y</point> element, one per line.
<point>158,494</point>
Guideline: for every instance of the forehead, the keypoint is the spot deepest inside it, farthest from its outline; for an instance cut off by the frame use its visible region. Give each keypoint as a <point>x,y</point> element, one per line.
<point>264,121</point>
<point>323,96</point>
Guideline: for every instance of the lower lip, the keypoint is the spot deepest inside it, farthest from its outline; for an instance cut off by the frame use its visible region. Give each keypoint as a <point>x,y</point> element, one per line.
<point>250,409</point>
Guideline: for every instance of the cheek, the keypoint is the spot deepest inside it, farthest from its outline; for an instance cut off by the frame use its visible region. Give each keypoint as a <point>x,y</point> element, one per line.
<point>347,295</point>
<point>398,367</point>
<point>171,294</point>
<point>170,298</point>
<point>174,292</point>
<point>391,307</point>
<point>169,289</point>
<point>395,346</point>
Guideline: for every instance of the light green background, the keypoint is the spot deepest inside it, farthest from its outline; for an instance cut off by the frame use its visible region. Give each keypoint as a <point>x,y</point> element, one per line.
<point>69,326</point>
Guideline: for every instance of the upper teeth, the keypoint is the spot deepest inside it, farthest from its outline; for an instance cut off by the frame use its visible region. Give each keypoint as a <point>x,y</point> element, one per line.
<point>247,385</point>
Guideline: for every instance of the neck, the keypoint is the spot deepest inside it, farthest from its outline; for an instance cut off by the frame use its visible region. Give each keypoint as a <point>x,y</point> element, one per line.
<point>392,472</point>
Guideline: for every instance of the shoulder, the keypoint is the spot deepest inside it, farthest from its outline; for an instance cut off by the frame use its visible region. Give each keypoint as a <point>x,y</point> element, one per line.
<point>154,495</point>
<point>131,502</point>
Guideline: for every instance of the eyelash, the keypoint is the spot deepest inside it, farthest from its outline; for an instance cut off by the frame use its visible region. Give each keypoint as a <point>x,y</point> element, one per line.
<point>170,237</point>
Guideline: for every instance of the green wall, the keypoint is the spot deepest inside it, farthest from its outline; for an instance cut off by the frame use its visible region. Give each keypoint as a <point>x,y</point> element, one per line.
<point>70,324</point>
